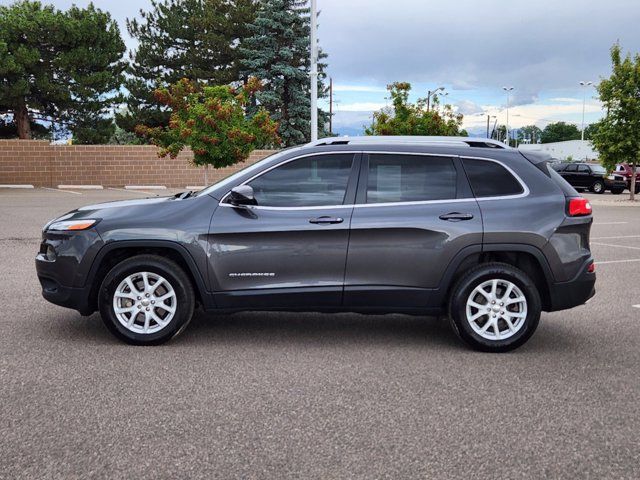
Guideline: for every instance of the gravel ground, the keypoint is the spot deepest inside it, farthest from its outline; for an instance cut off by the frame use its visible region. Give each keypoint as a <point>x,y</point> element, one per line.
<point>271,395</point>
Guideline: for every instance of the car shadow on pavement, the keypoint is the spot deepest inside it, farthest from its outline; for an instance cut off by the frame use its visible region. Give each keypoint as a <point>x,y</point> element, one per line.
<point>312,329</point>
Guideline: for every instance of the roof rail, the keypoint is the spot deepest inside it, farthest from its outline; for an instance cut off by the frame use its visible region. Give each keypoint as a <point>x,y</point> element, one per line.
<point>422,140</point>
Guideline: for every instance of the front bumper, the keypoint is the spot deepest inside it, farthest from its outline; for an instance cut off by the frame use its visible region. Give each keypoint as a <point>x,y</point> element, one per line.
<point>614,184</point>
<point>69,297</point>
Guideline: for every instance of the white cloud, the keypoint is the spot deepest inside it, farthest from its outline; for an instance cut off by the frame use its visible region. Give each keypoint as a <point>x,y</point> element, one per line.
<point>358,106</point>
<point>358,88</point>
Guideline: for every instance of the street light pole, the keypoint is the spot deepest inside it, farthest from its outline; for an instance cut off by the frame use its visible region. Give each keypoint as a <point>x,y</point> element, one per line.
<point>431,94</point>
<point>508,90</point>
<point>314,72</point>
<point>584,86</point>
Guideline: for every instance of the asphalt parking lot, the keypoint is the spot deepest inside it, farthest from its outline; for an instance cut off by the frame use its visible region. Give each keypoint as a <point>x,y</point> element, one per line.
<point>316,396</point>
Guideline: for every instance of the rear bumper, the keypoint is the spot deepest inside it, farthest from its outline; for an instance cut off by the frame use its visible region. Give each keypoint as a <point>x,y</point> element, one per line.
<point>573,293</point>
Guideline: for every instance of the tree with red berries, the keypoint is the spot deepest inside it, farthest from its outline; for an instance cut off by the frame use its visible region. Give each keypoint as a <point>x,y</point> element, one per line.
<point>212,121</point>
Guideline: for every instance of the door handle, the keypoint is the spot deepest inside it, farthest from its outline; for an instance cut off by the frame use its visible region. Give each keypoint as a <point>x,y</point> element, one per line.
<point>456,216</point>
<point>326,220</point>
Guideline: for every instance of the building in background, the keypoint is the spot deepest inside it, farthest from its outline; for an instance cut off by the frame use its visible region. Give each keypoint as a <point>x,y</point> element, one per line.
<point>577,150</point>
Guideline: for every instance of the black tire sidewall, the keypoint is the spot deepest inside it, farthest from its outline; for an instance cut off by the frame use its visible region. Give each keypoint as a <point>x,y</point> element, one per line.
<point>172,273</point>
<point>465,286</point>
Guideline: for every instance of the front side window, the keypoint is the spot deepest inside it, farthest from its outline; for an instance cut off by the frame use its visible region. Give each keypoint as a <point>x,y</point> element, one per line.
<point>490,179</point>
<point>319,180</point>
<point>410,178</point>
<point>583,169</point>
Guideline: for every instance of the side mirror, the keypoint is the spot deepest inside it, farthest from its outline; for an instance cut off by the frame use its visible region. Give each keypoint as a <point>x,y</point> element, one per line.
<point>241,196</point>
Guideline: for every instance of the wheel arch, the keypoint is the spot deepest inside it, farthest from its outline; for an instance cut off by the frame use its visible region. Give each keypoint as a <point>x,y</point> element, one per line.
<point>115,252</point>
<point>525,257</point>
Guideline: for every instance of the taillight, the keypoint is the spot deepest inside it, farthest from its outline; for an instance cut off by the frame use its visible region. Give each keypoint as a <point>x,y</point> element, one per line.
<point>591,268</point>
<point>579,207</point>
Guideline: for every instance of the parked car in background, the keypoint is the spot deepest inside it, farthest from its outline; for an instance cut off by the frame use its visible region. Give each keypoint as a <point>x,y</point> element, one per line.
<point>590,176</point>
<point>624,169</point>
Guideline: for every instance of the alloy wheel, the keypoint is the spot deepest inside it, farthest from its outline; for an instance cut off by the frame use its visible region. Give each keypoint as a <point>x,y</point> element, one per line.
<point>496,309</point>
<point>144,302</point>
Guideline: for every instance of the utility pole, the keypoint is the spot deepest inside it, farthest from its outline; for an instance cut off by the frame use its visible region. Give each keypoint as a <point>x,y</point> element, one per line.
<point>330,106</point>
<point>584,101</point>
<point>314,72</point>
<point>508,90</point>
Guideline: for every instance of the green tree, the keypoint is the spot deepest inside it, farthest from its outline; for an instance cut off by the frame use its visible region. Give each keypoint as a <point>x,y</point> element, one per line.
<point>64,67</point>
<point>560,132</point>
<point>591,129</point>
<point>278,52</point>
<point>618,137</point>
<point>193,39</point>
<point>212,121</point>
<point>405,118</point>
<point>529,133</point>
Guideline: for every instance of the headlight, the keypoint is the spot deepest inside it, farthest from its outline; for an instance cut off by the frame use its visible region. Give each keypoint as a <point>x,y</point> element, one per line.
<point>67,225</point>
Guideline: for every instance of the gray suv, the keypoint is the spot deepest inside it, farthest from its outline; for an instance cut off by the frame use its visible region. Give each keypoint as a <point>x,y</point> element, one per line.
<point>468,228</point>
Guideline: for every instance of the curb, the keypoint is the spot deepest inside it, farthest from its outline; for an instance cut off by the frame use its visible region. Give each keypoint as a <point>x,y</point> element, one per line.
<point>17,186</point>
<point>145,187</point>
<point>80,187</point>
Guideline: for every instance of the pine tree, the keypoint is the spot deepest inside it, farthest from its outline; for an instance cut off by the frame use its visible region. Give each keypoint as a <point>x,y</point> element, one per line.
<point>192,39</point>
<point>61,67</point>
<point>278,53</point>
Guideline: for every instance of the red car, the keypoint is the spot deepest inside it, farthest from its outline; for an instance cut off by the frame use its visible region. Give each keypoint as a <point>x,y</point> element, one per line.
<point>624,169</point>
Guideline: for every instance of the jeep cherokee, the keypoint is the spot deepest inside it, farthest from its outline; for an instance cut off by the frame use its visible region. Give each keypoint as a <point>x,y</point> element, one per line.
<point>468,228</point>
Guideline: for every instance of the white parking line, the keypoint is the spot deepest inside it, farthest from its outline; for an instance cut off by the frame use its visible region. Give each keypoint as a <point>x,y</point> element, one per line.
<point>61,191</point>
<point>617,261</point>
<point>613,238</point>
<point>617,246</point>
<point>635,306</point>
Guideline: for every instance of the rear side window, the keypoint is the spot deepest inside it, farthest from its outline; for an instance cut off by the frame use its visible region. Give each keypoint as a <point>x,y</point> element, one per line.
<point>490,179</point>
<point>410,178</point>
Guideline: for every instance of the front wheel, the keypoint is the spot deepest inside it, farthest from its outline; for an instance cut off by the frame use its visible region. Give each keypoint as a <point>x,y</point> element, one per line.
<point>146,300</point>
<point>495,307</point>
<point>598,187</point>
<point>617,191</point>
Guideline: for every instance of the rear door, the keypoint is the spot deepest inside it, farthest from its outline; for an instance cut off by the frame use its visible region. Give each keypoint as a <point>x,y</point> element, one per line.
<point>413,214</point>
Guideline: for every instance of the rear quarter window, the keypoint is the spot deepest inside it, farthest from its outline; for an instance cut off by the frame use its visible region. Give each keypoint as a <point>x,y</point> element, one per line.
<point>490,179</point>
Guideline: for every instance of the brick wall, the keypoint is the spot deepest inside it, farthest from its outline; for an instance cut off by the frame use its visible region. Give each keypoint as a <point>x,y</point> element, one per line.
<point>40,164</point>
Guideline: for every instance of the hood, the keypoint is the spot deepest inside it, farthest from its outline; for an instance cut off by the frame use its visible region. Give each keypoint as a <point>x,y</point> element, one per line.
<point>125,203</point>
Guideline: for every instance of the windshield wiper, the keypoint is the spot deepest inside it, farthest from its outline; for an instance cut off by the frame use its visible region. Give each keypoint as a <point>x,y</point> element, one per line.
<point>183,195</point>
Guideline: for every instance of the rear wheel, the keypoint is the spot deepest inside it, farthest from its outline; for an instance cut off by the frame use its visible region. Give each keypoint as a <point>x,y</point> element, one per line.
<point>146,300</point>
<point>495,307</point>
<point>598,187</point>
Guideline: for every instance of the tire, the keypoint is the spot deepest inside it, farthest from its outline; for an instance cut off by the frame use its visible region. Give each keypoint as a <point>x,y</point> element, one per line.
<point>173,289</point>
<point>598,187</point>
<point>617,191</point>
<point>526,313</point>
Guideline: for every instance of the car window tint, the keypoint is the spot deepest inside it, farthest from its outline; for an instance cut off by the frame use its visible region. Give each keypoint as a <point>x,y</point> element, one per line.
<point>583,168</point>
<point>307,182</point>
<point>571,168</point>
<point>410,178</point>
<point>490,179</point>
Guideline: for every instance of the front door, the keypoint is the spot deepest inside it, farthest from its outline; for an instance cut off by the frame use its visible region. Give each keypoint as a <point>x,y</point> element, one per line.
<point>290,249</point>
<point>413,214</point>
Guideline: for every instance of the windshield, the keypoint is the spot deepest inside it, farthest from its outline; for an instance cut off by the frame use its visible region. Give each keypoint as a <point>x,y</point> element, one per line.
<point>598,169</point>
<point>231,179</point>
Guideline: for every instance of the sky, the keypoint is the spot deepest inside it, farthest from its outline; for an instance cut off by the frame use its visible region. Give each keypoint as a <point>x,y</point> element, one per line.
<point>472,48</point>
